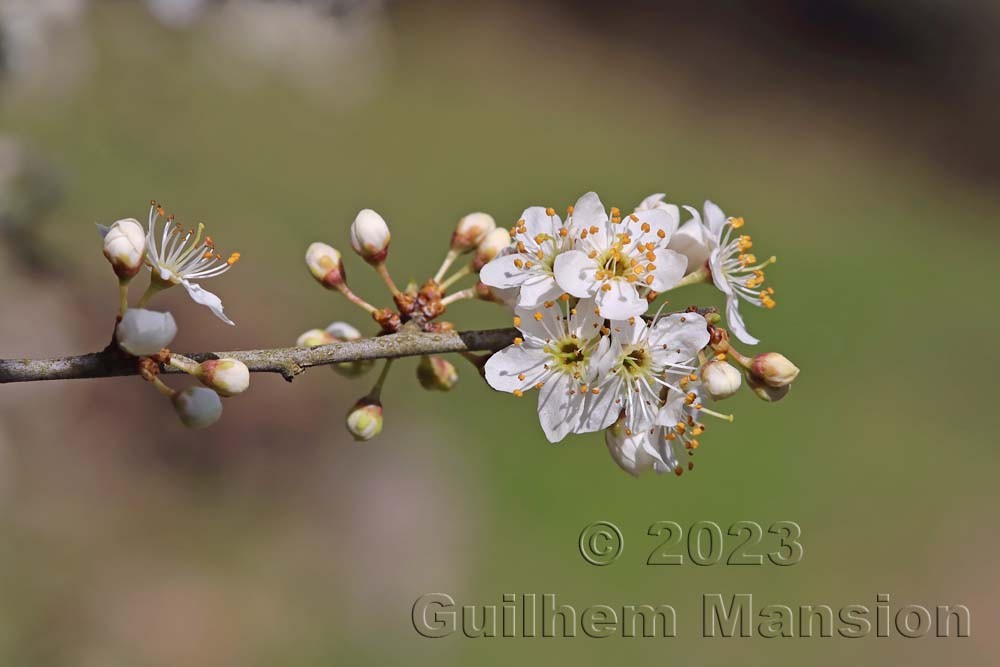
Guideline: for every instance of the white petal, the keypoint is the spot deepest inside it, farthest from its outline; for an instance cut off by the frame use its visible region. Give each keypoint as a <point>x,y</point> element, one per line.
<point>651,202</point>
<point>600,410</point>
<point>718,275</point>
<point>501,272</point>
<point>715,219</point>
<point>682,334</point>
<point>658,219</point>
<point>621,302</point>
<point>539,288</point>
<point>628,334</point>
<point>547,328</point>
<point>692,241</point>
<point>583,320</point>
<point>735,321</point>
<point>503,368</point>
<point>588,211</point>
<point>558,411</point>
<point>574,273</point>
<point>537,221</point>
<point>201,295</point>
<point>670,268</point>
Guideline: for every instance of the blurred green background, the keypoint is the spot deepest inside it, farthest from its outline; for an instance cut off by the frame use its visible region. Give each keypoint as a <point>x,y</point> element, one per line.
<point>272,538</point>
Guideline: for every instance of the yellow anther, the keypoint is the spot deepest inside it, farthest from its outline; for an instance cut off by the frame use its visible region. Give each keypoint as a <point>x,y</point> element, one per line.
<point>550,211</point>
<point>644,227</point>
<point>651,267</point>
<point>606,287</point>
<point>615,211</point>
<point>549,304</point>
<point>594,230</point>
<point>517,320</point>
<point>518,340</point>
<point>563,231</point>
<point>649,280</point>
<point>518,393</point>
<point>235,257</point>
<point>569,210</point>
<point>519,263</point>
<point>662,234</point>
<point>538,316</point>
<point>736,222</point>
<point>541,238</point>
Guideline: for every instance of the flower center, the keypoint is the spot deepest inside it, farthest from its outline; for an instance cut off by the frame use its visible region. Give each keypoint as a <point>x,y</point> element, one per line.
<point>637,361</point>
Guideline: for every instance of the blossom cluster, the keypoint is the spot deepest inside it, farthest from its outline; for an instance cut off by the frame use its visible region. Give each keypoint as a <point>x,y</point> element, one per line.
<point>174,256</point>
<point>581,288</point>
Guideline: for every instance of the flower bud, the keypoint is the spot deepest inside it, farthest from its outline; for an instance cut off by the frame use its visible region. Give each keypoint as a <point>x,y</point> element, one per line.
<point>765,392</point>
<point>145,332</point>
<point>325,265</point>
<point>490,247</point>
<point>342,332</point>
<point>124,246</point>
<point>720,379</point>
<point>370,236</point>
<point>774,369</point>
<point>314,338</point>
<point>471,230</point>
<point>364,421</point>
<point>227,377</point>
<point>197,407</point>
<point>436,374</point>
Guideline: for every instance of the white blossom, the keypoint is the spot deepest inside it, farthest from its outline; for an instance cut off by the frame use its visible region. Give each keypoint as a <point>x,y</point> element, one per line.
<point>181,256</point>
<point>559,355</point>
<point>538,237</point>
<point>642,363</point>
<point>734,271</point>
<point>619,260</point>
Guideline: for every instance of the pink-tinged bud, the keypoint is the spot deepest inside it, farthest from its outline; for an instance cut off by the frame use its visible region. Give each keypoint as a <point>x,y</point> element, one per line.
<point>227,377</point>
<point>364,421</point>
<point>774,369</point>
<point>143,333</point>
<point>325,265</point>
<point>314,338</point>
<point>436,374</point>
<point>370,236</point>
<point>491,246</point>
<point>125,247</point>
<point>471,230</point>
<point>765,392</point>
<point>720,379</point>
<point>197,407</point>
<point>341,332</point>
